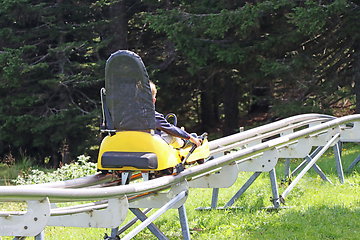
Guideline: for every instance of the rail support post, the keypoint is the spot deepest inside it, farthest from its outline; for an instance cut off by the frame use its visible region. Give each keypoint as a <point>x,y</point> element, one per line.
<point>287,167</point>
<point>310,164</point>
<point>184,223</point>
<point>151,226</point>
<point>274,188</point>
<point>353,164</point>
<point>243,189</point>
<point>40,236</point>
<point>214,199</point>
<point>114,232</point>
<point>318,170</point>
<point>337,154</point>
<point>148,221</point>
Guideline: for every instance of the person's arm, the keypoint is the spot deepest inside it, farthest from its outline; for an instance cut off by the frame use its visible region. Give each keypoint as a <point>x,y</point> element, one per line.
<point>197,141</point>
<point>165,126</point>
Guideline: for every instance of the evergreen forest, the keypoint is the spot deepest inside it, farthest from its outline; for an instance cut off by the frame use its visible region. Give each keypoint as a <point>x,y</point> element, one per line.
<point>218,65</point>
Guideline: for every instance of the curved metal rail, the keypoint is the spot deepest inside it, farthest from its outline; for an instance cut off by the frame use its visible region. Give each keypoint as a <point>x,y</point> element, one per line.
<point>255,150</point>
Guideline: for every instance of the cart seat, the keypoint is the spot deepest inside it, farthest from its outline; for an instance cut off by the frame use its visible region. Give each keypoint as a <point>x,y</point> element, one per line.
<point>139,160</point>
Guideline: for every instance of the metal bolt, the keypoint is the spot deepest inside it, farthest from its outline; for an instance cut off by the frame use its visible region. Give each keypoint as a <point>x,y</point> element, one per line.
<point>25,227</point>
<point>35,219</point>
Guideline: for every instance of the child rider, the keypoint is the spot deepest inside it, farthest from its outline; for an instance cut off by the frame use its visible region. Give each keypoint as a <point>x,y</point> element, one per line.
<point>162,125</point>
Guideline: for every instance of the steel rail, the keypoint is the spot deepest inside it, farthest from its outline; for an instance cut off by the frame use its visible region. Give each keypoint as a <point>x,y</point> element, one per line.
<point>266,128</point>
<point>21,193</point>
<point>289,123</point>
<point>258,136</point>
<point>79,209</point>
<point>104,180</point>
<point>59,211</point>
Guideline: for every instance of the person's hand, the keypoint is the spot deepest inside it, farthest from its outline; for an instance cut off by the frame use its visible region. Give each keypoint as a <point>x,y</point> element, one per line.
<point>195,140</point>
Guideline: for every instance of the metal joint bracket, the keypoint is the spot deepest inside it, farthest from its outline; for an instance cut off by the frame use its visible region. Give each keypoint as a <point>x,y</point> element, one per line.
<point>264,163</point>
<point>280,198</point>
<point>223,178</point>
<point>29,223</point>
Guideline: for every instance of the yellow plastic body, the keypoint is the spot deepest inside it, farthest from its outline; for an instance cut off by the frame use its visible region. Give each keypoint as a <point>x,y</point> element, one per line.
<point>199,153</point>
<point>134,141</point>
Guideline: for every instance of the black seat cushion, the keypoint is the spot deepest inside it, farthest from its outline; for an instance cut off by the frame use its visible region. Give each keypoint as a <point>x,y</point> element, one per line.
<point>139,160</point>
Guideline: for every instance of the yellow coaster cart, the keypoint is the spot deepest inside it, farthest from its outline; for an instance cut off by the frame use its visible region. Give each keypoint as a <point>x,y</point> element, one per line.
<point>129,120</point>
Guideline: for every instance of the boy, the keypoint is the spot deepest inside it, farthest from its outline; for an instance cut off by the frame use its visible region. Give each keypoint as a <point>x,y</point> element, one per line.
<point>162,125</point>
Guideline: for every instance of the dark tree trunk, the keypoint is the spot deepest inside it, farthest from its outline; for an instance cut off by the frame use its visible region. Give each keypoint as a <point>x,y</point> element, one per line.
<point>54,159</point>
<point>215,98</point>
<point>356,75</point>
<point>207,114</point>
<point>230,107</point>
<point>119,27</point>
<point>260,102</point>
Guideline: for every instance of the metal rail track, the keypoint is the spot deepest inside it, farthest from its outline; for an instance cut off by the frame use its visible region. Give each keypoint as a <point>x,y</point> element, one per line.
<point>256,150</point>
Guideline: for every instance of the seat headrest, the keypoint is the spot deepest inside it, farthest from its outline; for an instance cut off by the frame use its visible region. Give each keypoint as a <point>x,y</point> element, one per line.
<point>128,92</point>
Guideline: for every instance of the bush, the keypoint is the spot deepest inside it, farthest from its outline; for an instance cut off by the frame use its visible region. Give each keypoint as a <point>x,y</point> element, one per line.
<point>78,169</point>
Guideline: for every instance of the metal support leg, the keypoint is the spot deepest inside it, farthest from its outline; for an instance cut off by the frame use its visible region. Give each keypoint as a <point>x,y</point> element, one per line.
<point>303,163</point>
<point>287,167</point>
<point>352,165</point>
<point>318,170</point>
<point>309,165</point>
<point>340,147</point>
<point>298,168</point>
<point>274,188</point>
<point>132,222</point>
<point>339,169</point>
<point>126,177</point>
<point>154,229</point>
<point>154,216</point>
<point>40,236</point>
<point>114,232</point>
<point>184,223</point>
<point>214,199</point>
<point>242,189</point>
<point>316,151</point>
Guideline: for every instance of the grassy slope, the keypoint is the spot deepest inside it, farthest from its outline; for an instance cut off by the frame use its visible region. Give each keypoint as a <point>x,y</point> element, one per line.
<point>314,209</point>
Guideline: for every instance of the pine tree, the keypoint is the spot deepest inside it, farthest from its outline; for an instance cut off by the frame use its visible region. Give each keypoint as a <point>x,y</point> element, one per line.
<point>51,76</point>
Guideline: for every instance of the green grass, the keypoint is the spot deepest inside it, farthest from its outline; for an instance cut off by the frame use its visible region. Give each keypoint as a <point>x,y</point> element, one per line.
<point>314,209</point>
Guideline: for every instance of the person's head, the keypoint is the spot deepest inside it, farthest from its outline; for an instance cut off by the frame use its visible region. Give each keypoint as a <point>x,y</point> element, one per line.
<point>153,91</point>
